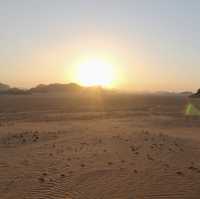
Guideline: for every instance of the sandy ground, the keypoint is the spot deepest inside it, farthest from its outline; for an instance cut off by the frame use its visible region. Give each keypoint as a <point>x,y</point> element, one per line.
<point>119,154</point>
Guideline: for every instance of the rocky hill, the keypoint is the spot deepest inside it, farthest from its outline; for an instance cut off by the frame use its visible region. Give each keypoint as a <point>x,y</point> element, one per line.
<point>196,95</point>
<point>56,88</point>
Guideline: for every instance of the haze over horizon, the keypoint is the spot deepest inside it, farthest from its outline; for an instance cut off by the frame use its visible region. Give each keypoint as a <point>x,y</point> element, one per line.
<point>151,45</point>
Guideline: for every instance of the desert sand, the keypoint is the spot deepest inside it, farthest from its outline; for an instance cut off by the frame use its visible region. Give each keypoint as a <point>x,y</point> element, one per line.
<point>139,147</point>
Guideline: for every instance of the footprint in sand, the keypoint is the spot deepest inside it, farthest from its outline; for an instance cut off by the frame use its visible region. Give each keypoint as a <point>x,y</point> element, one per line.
<point>170,149</point>
<point>35,138</point>
<point>62,175</point>
<point>133,148</point>
<point>152,147</point>
<point>110,163</point>
<point>180,173</point>
<point>23,140</point>
<point>82,165</point>
<point>44,174</point>
<point>41,179</point>
<point>149,157</point>
<point>194,169</point>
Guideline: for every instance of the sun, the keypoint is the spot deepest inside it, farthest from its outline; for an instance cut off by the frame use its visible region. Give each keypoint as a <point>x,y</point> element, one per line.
<point>95,72</point>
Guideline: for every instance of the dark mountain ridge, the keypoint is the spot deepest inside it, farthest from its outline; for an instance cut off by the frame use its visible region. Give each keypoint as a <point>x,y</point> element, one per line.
<point>56,88</point>
<point>71,88</point>
<point>4,87</point>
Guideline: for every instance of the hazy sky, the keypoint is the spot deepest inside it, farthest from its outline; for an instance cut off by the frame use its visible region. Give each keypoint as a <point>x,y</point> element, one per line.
<point>154,44</point>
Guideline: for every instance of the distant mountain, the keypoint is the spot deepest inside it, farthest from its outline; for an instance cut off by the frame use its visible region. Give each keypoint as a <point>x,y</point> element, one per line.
<point>4,87</point>
<point>73,88</point>
<point>15,91</point>
<point>7,90</point>
<point>165,93</point>
<point>187,93</point>
<point>56,88</point>
<point>70,88</point>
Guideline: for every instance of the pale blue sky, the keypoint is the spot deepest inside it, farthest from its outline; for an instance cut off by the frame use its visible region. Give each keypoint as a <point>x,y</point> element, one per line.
<point>155,42</point>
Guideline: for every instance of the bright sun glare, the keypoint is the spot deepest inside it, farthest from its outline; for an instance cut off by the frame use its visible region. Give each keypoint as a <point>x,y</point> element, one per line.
<point>95,72</point>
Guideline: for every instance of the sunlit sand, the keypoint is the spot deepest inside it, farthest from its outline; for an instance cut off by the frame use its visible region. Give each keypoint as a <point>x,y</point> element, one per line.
<point>134,146</point>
